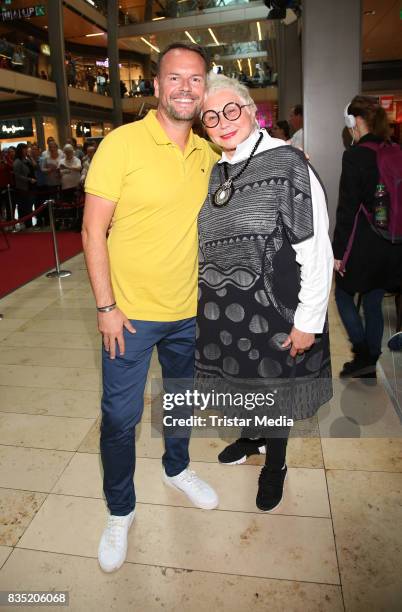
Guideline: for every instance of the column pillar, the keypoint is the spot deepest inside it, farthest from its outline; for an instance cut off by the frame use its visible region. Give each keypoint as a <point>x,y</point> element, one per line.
<point>147,67</point>
<point>57,58</point>
<point>113,55</point>
<point>289,68</point>
<point>331,78</point>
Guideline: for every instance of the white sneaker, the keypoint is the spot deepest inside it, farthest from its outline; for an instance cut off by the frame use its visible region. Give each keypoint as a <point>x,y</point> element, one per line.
<point>113,545</point>
<point>199,492</point>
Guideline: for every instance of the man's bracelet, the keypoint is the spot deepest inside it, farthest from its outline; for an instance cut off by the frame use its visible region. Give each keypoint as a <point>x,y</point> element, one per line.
<point>106,308</point>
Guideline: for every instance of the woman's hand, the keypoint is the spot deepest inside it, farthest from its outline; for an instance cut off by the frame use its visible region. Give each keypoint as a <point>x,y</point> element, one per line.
<point>338,267</point>
<point>299,342</point>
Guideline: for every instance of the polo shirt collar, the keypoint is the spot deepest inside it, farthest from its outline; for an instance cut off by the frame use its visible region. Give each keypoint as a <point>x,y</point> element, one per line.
<point>161,138</point>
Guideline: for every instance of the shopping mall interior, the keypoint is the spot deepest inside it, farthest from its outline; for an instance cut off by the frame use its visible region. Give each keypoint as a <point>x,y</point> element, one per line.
<point>71,71</point>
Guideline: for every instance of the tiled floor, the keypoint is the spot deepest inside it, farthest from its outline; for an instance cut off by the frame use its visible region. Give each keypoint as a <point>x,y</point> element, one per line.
<point>334,544</point>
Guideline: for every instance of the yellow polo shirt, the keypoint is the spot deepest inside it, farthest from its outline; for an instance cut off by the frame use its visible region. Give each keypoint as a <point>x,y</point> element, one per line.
<point>158,191</point>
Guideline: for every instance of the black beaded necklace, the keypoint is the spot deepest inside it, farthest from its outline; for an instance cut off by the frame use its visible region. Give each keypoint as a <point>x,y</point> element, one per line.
<point>225,190</point>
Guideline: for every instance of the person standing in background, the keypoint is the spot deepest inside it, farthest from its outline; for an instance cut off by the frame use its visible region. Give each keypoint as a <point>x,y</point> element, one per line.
<point>281,130</point>
<point>24,182</point>
<point>70,172</point>
<point>50,166</point>
<point>374,264</point>
<point>296,122</point>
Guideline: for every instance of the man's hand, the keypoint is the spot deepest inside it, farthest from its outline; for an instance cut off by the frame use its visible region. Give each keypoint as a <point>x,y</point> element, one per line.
<point>299,342</point>
<point>338,267</point>
<point>110,325</point>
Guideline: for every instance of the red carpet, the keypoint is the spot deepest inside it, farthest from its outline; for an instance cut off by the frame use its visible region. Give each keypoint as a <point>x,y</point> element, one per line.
<point>31,254</point>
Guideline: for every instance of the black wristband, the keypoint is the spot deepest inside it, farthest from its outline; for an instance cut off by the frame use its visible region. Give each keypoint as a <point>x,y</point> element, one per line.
<point>106,308</point>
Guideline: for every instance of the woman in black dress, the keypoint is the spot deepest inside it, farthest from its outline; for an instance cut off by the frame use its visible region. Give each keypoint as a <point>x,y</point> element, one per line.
<point>374,264</point>
<point>264,278</point>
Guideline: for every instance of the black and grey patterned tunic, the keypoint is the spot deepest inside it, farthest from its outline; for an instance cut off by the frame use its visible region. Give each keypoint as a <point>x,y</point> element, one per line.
<point>249,282</point>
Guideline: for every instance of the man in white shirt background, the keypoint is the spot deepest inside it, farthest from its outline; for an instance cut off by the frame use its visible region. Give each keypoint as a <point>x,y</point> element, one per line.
<point>296,122</point>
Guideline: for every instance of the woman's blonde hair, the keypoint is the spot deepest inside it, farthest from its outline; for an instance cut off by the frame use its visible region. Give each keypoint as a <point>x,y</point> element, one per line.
<point>373,114</point>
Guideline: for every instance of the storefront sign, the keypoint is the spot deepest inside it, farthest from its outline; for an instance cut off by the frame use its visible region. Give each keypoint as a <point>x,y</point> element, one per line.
<point>84,129</point>
<point>23,13</point>
<point>105,63</point>
<point>19,127</point>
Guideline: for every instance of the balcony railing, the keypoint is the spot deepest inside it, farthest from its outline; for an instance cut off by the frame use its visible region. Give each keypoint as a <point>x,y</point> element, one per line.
<point>23,60</point>
<point>154,10</point>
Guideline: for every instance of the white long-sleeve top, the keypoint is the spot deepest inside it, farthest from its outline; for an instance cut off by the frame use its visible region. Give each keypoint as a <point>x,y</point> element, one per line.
<point>314,255</point>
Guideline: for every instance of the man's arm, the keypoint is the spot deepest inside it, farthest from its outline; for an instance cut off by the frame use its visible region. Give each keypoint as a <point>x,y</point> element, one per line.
<point>97,217</point>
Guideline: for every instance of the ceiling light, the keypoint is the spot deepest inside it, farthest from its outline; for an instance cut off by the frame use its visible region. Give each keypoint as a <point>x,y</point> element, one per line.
<point>259,30</point>
<point>98,34</point>
<point>150,45</point>
<point>213,36</point>
<point>189,36</point>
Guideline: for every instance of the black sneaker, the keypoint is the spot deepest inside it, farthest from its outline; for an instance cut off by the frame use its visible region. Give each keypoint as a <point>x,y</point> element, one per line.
<point>239,451</point>
<point>270,488</point>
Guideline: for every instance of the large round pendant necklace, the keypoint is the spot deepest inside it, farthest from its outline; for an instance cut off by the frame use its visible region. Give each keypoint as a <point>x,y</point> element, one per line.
<point>225,191</point>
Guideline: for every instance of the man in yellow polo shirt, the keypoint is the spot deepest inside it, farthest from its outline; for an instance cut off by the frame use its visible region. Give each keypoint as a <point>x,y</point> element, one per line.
<point>150,177</point>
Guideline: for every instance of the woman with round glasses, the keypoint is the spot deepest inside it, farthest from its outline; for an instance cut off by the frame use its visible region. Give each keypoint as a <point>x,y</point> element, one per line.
<point>264,281</point>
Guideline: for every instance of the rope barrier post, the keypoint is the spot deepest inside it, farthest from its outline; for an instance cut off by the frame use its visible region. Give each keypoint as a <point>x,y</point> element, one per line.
<point>57,273</point>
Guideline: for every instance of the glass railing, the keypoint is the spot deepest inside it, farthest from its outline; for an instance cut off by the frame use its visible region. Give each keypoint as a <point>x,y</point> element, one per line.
<point>25,61</point>
<point>154,10</point>
<point>262,77</point>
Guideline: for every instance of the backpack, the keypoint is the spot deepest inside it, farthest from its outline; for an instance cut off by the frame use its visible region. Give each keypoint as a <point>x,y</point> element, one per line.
<point>389,162</point>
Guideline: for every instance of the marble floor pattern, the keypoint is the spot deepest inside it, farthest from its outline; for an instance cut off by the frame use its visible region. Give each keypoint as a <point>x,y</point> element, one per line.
<point>334,544</point>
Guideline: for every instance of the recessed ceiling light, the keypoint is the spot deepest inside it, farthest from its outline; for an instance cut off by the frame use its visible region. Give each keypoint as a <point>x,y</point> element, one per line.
<point>213,36</point>
<point>190,37</point>
<point>150,45</point>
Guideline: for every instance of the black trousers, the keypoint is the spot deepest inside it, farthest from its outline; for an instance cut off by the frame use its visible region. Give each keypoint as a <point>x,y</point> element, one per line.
<point>276,448</point>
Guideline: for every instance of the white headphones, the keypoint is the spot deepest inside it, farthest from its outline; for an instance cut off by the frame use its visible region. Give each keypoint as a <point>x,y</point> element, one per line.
<point>350,120</point>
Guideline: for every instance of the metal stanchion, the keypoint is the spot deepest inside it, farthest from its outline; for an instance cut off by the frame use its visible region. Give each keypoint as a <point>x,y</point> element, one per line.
<point>56,273</point>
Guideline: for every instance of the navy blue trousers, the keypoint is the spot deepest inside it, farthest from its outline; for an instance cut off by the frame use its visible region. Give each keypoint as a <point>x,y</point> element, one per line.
<point>372,330</point>
<point>124,380</point>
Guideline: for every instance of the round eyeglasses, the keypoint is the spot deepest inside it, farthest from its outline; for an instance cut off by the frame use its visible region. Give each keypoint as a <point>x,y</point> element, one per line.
<point>231,111</point>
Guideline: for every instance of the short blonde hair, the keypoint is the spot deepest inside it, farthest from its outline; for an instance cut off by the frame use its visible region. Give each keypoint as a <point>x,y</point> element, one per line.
<point>219,82</point>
